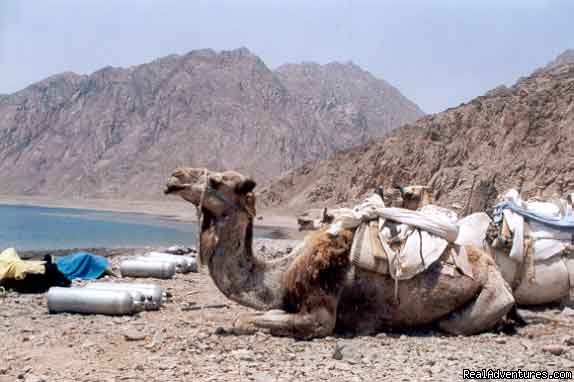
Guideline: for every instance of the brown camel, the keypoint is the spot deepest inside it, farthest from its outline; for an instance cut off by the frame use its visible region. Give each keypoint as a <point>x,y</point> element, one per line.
<point>316,290</point>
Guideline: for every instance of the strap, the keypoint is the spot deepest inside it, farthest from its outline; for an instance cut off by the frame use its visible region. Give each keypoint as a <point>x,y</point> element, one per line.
<point>569,263</point>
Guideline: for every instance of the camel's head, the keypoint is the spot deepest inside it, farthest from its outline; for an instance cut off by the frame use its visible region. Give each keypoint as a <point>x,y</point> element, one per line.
<point>415,197</point>
<point>219,193</point>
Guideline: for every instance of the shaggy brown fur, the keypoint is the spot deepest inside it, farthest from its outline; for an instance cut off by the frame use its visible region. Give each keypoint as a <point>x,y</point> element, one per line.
<point>318,274</point>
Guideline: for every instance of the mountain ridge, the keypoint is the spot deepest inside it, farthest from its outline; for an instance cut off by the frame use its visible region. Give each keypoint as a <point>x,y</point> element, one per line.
<point>105,133</point>
<point>519,136</point>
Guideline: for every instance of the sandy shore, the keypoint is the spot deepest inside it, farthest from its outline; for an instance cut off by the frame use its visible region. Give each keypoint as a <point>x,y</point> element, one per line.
<point>176,209</point>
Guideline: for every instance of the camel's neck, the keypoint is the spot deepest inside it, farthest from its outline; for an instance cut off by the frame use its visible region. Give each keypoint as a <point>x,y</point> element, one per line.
<point>226,246</point>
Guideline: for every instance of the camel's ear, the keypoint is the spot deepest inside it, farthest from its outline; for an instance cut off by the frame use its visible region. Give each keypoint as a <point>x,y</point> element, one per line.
<point>245,186</point>
<point>215,180</point>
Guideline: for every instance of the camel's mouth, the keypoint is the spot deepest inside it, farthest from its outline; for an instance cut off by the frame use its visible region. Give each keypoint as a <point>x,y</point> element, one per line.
<point>173,188</point>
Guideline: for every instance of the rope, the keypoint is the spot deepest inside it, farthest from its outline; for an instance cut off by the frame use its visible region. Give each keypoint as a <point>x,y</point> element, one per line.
<point>421,247</point>
<point>199,213</point>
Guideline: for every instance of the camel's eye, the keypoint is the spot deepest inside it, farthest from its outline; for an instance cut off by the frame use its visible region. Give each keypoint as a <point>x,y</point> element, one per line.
<point>214,183</point>
<point>245,186</point>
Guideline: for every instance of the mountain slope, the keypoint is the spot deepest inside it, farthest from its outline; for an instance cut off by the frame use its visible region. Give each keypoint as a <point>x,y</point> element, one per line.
<point>522,136</point>
<point>119,131</point>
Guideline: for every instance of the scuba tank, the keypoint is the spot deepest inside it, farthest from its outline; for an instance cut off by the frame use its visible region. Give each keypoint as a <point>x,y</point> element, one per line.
<point>153,293</point>
<point>183,263</point>
<point>156,269</point>
<point>91,301</point>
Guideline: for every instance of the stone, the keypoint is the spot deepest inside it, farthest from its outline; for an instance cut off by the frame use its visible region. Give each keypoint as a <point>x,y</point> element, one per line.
<point>243,355</point>
<point>34,378</point>
<point>337,353</point>
<point>134,336</point>
<point>553,349</point>
<point>263,377</point>
<point>348,351</point>
<point>568,340</point>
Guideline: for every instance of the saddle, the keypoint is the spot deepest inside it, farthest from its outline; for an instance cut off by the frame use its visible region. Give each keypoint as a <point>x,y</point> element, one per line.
<point>400,242</point>
<point>535,233</point>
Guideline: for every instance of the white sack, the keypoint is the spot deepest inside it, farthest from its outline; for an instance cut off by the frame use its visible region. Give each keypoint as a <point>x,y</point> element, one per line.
<point>472,229</point>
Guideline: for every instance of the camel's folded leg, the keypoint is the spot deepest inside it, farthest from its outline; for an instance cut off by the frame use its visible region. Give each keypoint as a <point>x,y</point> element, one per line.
<point>493,302</point>
<point>317,323</point>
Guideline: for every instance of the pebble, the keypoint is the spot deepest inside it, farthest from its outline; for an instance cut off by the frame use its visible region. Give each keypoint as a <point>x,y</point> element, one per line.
<point>134,336</point>
<point>568,340</point>
<point>500,341</point>
<point>263,377</point>
<point>554,349</point>
<point>337,353</point>
<point>243,355</point>
<point>34,378</point>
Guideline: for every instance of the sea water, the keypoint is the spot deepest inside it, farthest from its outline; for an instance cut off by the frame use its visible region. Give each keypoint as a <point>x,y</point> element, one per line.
<point>30,227</point>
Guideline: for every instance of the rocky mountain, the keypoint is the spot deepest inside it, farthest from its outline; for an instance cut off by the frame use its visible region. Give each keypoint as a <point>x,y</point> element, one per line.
<point>566,57</point>
<point>520,136</point>
<point>119,131</point>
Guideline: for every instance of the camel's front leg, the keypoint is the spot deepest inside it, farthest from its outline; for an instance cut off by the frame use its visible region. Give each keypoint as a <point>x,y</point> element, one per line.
<point>493,302</point>
<point>320,322</point>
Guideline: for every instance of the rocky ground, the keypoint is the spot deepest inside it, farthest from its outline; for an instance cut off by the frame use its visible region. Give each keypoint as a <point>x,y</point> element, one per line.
<point>184,342</point>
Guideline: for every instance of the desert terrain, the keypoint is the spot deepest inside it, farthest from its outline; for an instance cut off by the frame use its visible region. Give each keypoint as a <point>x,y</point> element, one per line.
<point>187,341</point>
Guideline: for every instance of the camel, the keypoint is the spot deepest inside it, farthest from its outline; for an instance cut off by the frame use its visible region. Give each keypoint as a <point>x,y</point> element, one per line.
<point>409,197</point>
<point>544,281</point>
<point>316,291</point>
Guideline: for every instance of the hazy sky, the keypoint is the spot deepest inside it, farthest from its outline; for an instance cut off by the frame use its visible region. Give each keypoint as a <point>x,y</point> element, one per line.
<point>438,53</point>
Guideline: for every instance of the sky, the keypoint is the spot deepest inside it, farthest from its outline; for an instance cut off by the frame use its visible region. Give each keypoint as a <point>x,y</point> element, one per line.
<point>437,53</point>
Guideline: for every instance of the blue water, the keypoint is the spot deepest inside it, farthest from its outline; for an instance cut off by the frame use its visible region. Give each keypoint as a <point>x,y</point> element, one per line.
<point>27,227</point>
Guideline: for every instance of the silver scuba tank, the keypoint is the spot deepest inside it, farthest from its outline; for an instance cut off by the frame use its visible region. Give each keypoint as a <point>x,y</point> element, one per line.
<point>180,265</point>
<point>153,293</point>
<point>188,263</point>
<point>91,301</point>
<point>139,300</point>
<point>156,269</point>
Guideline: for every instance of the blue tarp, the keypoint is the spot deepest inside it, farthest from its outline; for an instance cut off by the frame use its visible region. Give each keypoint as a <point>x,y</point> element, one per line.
<point>82,265</point>
<point>562,223</point>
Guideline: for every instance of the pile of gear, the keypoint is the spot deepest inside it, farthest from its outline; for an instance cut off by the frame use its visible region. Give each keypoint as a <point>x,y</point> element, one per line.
<point>112,298</point>
<point>402,243</point>
<point>533,244</point>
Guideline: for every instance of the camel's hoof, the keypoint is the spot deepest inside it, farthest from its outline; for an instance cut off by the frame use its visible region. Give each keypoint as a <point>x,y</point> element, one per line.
<point>243,324</point>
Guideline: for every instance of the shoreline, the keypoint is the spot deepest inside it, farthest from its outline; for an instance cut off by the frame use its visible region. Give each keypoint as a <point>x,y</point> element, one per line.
<point>173,210</point>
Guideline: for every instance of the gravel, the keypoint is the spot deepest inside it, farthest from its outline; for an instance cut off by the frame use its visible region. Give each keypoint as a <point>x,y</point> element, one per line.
<point>178,344</point>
